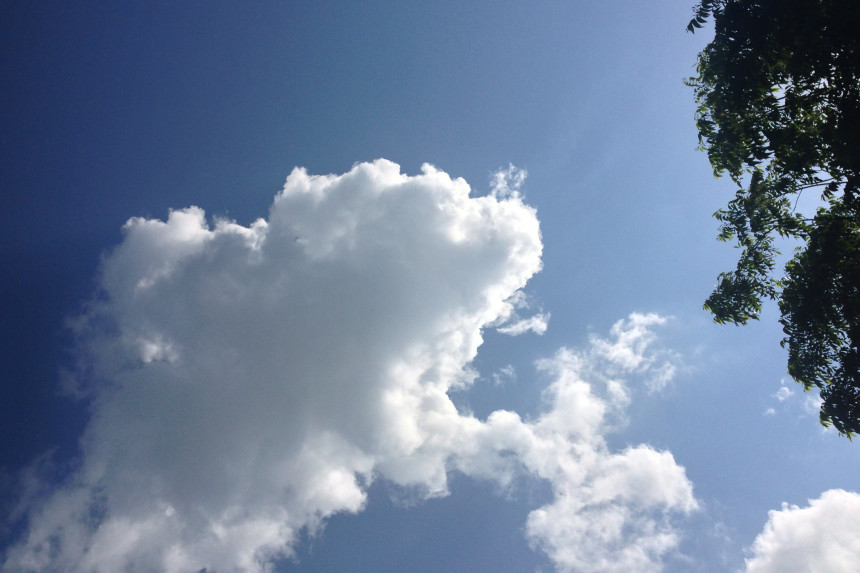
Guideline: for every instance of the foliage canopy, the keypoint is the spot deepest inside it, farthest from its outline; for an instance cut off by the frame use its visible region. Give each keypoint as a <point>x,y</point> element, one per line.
<point>778,94</point>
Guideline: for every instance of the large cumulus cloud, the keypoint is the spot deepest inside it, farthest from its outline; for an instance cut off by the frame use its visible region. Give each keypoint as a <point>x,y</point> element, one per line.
<point>247,382</point>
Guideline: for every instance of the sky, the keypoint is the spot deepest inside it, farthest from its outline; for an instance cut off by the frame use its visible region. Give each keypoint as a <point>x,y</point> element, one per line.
<point>384,286</point>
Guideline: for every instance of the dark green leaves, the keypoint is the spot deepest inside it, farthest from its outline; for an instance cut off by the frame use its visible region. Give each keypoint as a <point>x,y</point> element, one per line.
<point>703,11</point>
<point>778,94</point>
<point>821,318</point>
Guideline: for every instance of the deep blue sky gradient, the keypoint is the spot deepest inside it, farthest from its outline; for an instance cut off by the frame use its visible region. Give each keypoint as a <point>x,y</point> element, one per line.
<point>110,111</point>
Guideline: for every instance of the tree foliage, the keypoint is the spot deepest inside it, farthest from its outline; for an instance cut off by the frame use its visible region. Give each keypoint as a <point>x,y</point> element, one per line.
<point>778,94</point>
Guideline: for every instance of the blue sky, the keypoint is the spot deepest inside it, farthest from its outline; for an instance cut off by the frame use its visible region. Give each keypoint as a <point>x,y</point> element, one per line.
<point>333,389</point>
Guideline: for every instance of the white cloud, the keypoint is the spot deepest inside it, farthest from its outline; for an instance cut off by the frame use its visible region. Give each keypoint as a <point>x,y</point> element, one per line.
<point>249,382</point>
<point>631,338</point>
<point>536,323</point>
<point>510,322</point>
<point>504,375</point>
<point>821,537</point>
<point>812,404</point>
<point>627,350</point>
<point>783,393</point>
<point>611,509</point>
<point>508,182</point>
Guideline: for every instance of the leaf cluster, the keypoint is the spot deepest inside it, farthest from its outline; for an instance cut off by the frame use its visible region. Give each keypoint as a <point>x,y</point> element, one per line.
<point>778,94</point>
<point>703,11</point>
<point>820,308</point>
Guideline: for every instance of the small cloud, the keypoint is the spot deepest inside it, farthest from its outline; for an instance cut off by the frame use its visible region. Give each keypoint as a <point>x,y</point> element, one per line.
<point>536,323</point>
<point>504,375</point>
<point>770,412</point>
<point>783,393</point>
<point>811,405</point>
<point>632,337</point>
<point>507,182</point>
<point>661,376</point>
<point>630,351</point>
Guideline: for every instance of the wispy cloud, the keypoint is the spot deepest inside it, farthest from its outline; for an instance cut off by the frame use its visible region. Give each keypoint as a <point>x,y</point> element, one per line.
<point>808,403</point>
<point>536,323</point>
<point>783,393</point>
<point>811,404</point>
<point>504,375</point>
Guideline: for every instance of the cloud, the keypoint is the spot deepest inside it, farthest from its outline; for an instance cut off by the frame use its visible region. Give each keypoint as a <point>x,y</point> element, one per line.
<point>246,383</point>
<point>627,350</point>
<point>820,537</point>
<point>611,509</point>
<point>783,393</point>
<point>511,323</point>
<point>508,182</point>
<point>504,375</point>
<point>811,405</point>
<point>536,323</point>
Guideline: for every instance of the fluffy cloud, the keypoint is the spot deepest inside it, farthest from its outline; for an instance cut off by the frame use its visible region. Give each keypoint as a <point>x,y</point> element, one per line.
<point>611,509</point>
<point>248,382</point>
<point>821,537</point>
